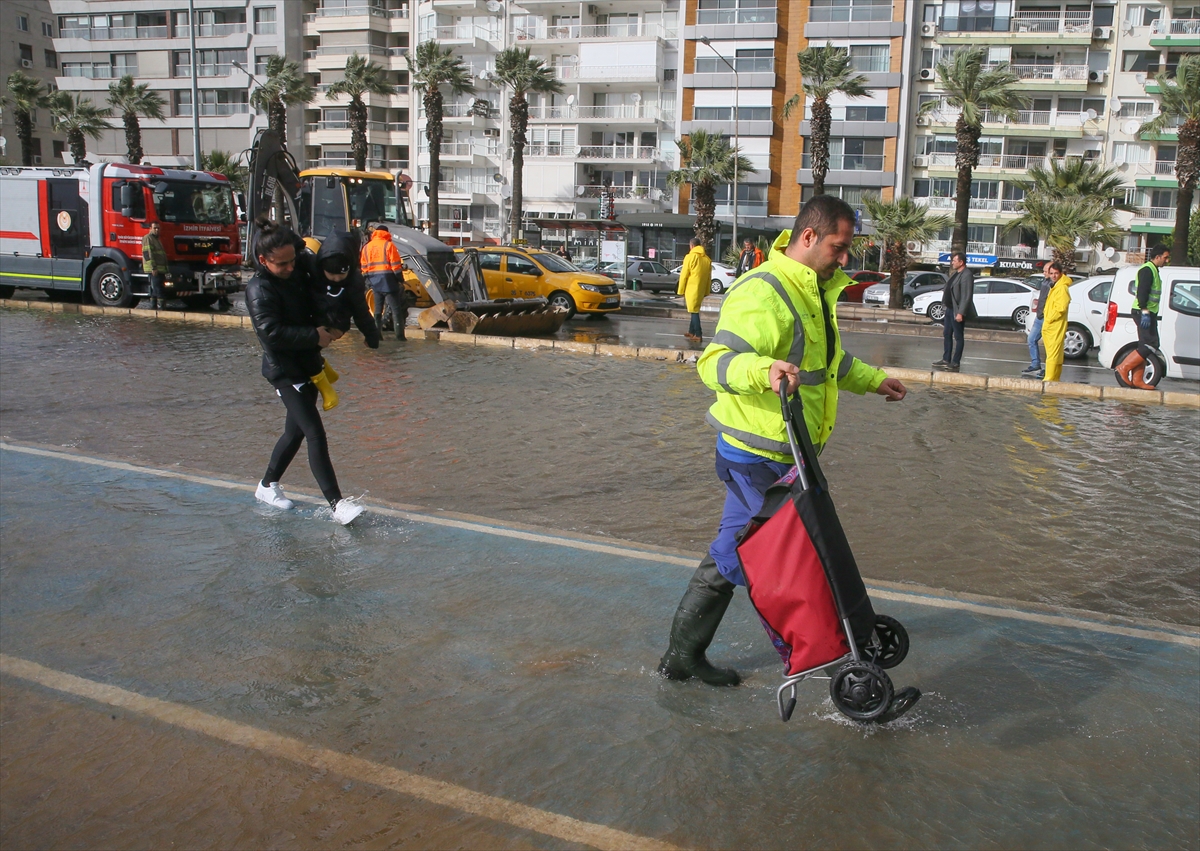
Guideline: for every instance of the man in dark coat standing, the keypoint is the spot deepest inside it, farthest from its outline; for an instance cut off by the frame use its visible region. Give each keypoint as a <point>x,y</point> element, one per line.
<point>957,297</point>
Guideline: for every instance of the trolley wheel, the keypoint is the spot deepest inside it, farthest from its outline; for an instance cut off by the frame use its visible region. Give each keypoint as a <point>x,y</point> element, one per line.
<point>861,690</point>
<point>789,708</point>
<point>889,645</point>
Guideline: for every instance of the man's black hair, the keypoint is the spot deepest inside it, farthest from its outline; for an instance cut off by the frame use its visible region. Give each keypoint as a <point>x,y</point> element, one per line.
<point>823,214</point>
<point>1054,264</point>
<point>1157,251</point>
<point>960,256</point>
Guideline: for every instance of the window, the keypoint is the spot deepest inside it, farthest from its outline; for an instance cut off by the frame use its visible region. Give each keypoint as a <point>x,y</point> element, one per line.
<point>1185,297</point>
<point>735,12</point>
<point>521,266</point>
<point>1145,61</point>
<point>725,113</point>
<point>840,11</point>
<point>26,51</point>
<point>264,20</point>
<point>47,29</point>
<point>930,13</point>
<point>934,187</point>
<point>1100,292</point>
<point>1142,16</point>
<point>870,58</point>
<point>1005,287</point>
<point>138,198</point>
<point>51,58</point>
<point>976,15</point>
<point>260,61</point>
<point>489,261</point>
<point>23,23</point>
<point>866,113</point>
<point>58,147</point>
<point>744,60</point>
<point>1131,152</point>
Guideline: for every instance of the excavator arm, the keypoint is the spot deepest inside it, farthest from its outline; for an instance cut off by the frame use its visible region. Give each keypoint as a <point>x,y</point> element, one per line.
<point>274,188</point>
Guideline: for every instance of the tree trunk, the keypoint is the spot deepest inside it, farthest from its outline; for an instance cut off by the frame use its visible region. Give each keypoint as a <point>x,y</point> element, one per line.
<point>25,134</point>
<point>966,159</point>
<point>276,120</point>
<point>358,132</point>
<point>433,135</point>
<point>78,146</point>
<point>133,138</point>
<point>518,119</point>
<point>897,254</point>
<point>822,115</point>
<point>1187,168</point>
<point>704,195</point>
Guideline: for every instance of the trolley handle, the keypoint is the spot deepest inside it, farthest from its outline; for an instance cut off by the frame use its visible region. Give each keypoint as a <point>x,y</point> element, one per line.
<point>803,451</point>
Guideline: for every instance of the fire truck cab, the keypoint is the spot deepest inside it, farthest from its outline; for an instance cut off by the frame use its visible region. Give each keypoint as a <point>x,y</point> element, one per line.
<point>80,230</point>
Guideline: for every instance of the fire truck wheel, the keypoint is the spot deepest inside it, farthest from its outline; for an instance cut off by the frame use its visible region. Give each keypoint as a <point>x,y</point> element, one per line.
<point>109,288</point>
<point>7,292</point>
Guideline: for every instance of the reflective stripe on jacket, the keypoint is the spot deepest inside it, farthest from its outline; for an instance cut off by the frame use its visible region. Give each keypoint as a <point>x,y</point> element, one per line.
<point>1155,290</point>
<point>779,311</point>
<point>381,264</point>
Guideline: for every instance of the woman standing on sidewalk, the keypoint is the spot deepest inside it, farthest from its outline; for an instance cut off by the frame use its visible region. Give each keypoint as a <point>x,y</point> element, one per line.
<point>284,313</point>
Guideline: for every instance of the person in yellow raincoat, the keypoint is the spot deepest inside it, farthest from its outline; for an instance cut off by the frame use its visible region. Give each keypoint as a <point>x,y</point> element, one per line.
<point>1054,325</point>
<point>694,279</point>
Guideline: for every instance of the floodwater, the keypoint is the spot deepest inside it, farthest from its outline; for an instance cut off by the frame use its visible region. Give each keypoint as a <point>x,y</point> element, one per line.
<point>522,667</point>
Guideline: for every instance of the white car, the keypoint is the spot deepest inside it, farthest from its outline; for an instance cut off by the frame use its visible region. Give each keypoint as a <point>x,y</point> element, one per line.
<point>722,278</point>
<point>1178,326</point>
<point>995,298</point>
<point>1085,318</point>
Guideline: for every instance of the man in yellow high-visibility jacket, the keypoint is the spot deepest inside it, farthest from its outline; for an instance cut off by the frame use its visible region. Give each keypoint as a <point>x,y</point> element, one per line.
<point>777,322</point>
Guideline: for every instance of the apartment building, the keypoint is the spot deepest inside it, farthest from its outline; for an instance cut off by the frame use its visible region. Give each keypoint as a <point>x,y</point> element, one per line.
<point>28,46</point>
<point>381,31</point>
<point>1088,70</point>
<point>99,42</point>
<point>615,122</point>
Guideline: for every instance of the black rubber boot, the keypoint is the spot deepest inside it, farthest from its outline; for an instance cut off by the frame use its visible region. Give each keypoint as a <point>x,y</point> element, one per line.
<point>696,621</point>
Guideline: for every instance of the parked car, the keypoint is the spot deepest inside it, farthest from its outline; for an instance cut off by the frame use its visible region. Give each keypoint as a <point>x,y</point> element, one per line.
<point>511,272</point>
<point>1085,318</point>
<point>650,275</point>
<point>995,298</point>
<point>722,278</point>
<point>1178,326</point>
<point>863,278</point>
<point>915,284</point>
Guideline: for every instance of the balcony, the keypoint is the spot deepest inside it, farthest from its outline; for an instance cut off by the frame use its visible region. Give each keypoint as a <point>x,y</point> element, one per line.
<point>593,32</point>
<point>1027,27</point>
<point>648,194</point>
<point>980,205</point>
<point>370,99</point>
<point>611,153</point>
<point>626,113</point>
<point>113,33</point>
<point>1175,32</point>
<point>348,162</point>
<point>472,191</point>
<point>332,57</point>
<point>213,70</point>
<point>98,72</point>
<point>356,11</point>
<point>344,127</point>
<point>476,152</point>
<point>1158,214</point>
<point>733,23</point>
<point>852,21</point>
<point>850,162</point>
<point>469,37</point>
<point>607,73</point>
<point>211,109</point>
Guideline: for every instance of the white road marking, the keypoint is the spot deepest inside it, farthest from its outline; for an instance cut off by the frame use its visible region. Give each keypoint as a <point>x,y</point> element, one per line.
<point>323,759</point>
<point>1128,627</point>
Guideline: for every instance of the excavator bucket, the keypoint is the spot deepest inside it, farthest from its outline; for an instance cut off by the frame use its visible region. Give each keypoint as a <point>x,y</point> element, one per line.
<point>466,308</point>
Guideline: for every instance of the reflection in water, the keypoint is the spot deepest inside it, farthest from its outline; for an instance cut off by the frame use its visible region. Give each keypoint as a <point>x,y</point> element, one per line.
<point>1056,500</point>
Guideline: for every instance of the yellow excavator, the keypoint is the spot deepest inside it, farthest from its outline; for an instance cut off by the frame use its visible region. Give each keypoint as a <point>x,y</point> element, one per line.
<point>319,201</point>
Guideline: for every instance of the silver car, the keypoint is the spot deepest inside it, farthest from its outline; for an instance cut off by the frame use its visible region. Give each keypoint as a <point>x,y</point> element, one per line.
<point>651,275</point>
<point>915,284</point>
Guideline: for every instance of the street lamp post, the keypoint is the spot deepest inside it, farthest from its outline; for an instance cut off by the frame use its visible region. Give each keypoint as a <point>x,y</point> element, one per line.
<point>195,86</point>
<point>736,145</point>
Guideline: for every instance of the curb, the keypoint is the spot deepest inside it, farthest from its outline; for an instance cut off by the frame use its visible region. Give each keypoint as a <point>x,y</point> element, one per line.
<point>656,353</point>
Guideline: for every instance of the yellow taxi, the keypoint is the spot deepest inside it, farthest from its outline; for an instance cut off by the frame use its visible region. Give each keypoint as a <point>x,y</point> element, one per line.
<point>510,272</point>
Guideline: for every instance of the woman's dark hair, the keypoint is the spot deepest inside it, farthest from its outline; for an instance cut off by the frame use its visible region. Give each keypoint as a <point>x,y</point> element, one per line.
<point>271,236</point>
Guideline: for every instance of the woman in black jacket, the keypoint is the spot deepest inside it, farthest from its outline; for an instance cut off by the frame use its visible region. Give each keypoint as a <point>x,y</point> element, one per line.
<point>286,318</point>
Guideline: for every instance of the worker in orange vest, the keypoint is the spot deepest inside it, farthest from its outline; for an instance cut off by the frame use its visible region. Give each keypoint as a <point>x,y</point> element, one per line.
<point>383,269</point>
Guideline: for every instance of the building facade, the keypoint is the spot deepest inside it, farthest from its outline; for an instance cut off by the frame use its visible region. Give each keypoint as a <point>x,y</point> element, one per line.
<point>1089,73</point>
<point>28,28</point>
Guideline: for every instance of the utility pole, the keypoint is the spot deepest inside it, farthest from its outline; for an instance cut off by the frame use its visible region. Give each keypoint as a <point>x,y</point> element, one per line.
<point>195,86</point>
<point>737,150</point>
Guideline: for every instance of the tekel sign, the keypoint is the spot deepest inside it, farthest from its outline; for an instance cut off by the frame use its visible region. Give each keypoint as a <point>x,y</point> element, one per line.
<point>972,259</point>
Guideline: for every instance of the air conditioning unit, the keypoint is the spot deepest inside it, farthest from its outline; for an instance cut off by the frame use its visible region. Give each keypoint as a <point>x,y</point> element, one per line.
<point>37,160</point>
<point>26,63</point>
<point>593,10</point>
<point>492,131</point>
<point>912,245</point>
<point>929,29</point>
<point>920,162</point>
<point>1102,33</point>
<point>924,120</point>
<point>1097,76</point>
<point>926,74</point>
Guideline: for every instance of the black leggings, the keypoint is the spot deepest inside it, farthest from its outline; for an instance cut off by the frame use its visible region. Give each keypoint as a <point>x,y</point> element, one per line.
<point>303,421</point>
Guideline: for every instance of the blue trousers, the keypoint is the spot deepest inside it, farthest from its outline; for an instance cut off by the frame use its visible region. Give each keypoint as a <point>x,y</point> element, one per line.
<point>1035,336</point>
<point>694,326</point>
<point>745,488</point>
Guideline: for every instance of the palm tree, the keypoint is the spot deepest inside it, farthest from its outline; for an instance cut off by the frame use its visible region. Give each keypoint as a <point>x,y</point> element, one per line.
<point>972,87</point>
<point>78,117</point>
<point>523,74</point>
<point>434,68</point>
<point>706,161</point>
<point>897,223</point>
<point>223,162</point>
<point>131,101</point>
<point>1075,176</point>
<point>823,71</point>
<point>362,77</point>
<point>27,95</point>
<point>285,86</point>
<point>1179,104</point>
<point>1064,222</point>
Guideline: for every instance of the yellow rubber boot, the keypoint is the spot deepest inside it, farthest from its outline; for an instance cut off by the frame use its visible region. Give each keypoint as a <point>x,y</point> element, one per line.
<point>330,372</point>
<point>328,394</point>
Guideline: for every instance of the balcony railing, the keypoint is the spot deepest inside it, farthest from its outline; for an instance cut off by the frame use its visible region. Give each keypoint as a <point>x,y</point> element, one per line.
<point>847,14</point>
<point>323,88</point>
<point>212,30</point>
<point>213,70</point>
<point>457,32</point>
<point>606,72</point>
<point>871,64</point>
<point>619,152</point>
<point>342,162</point>
<point>372,126</point>
<point>737,16</point>
<point>350,11</point>
<point>112,33</point>
<point>1050,72</point>
<point>641,29</point>
<point>1019,162</point>
<point>743,65</point>
<point>1050,21</point>
<point>1011,205</point>
<point>185,109</point>
<point>99,72</point>
<point>616,112</point>
<point>627,193</point>
<point>1176,26</point>
<point>360,49</point>
<point>468,187</point>
<point>449,227</point>
<point>463,149</point>
<point>464,110</point>
<point>1165,167</point>
<point>851,162</point>
<point>1156,213</point>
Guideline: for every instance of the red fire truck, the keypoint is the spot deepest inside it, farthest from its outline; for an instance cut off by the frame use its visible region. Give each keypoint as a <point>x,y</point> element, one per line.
<point>80,230</point>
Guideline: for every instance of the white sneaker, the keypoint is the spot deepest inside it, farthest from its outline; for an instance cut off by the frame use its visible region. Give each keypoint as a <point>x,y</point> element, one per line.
<point>272,495</point>
<point>346,510</point>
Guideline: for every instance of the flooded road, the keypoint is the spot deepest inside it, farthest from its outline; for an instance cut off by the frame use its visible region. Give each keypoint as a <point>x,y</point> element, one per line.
<point>517,663</point>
